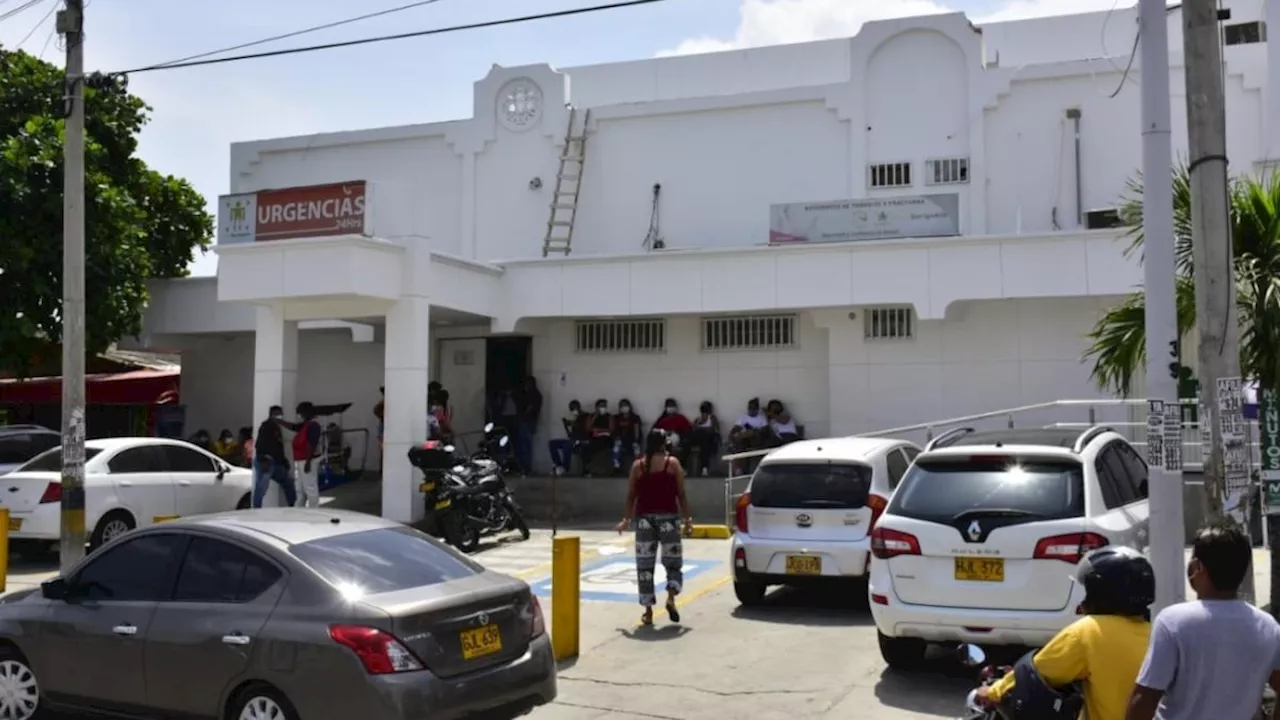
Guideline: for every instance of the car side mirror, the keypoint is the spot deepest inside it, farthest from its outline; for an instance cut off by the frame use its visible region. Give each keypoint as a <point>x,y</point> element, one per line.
<point>55,589</point>
<point>222,471</point>
<point>488,427</point>
<point>971,655</point>
<point>502,442</point>
<point>449,449</point>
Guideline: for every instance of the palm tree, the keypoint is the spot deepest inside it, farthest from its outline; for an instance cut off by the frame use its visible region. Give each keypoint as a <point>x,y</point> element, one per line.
<point>1119,337</point>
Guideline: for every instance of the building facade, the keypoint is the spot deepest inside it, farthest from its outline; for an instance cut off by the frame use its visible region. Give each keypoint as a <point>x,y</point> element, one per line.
<point>910,224</point>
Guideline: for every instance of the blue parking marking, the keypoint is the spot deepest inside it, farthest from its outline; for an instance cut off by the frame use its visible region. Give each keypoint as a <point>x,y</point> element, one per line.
<point>613,579</point>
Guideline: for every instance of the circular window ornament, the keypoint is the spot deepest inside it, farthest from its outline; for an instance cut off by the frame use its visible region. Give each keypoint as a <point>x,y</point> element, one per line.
<point>519,104</point>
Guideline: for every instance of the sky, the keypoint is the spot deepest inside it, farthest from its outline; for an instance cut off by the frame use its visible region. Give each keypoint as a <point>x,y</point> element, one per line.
<point>198,112</point>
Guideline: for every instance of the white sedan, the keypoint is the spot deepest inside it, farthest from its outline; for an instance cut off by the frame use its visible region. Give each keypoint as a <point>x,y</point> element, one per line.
<point>129,483</point>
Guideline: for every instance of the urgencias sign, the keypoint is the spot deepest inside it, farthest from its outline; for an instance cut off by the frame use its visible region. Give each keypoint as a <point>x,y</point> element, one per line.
<point>290,213</point>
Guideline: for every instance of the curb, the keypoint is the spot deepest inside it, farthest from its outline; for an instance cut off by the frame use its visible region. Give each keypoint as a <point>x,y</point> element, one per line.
<point>711,532</point>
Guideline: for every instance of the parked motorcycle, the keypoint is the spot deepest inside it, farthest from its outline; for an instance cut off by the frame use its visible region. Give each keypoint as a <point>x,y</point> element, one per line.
<point>974,657</point>
<point>470,499</point>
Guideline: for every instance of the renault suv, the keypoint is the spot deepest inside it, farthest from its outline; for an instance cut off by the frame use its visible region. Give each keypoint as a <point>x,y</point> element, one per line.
<point>807,514</point>
<point>979,543</point>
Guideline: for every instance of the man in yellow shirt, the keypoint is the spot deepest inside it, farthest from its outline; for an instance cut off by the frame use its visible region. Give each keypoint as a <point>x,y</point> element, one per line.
<point>1103,651</point>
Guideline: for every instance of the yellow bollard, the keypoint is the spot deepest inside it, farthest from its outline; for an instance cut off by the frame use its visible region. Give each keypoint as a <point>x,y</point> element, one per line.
<point>4,548</point>
<point>566,576</point>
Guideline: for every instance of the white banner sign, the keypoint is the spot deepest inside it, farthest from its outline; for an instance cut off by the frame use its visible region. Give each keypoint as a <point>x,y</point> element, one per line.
<point>868,219</point>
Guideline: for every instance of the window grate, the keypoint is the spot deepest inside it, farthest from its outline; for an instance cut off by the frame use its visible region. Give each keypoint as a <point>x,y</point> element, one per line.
<point>889,175</point>
<point>1246,33</point>
<point>947,171</point>
<point>620,336</point>
<point>756,332</point>
<point>894,323</point>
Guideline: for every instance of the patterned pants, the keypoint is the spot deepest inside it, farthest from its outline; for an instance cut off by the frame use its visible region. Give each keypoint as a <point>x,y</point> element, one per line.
<point>656,533</point>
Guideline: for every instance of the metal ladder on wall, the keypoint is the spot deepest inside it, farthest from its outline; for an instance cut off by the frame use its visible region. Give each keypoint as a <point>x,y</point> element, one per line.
<point>564,201</point>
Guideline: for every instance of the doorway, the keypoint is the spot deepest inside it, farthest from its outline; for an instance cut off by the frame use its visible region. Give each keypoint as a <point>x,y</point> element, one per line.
<point>508,361</point>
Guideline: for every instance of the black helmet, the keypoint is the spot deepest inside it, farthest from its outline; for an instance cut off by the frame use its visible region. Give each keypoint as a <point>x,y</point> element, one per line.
<point>1117,581</point>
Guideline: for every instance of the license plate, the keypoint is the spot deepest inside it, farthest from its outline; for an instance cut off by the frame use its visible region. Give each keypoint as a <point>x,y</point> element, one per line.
<point>15,524</point>
<point>426,487</point>
<point>804,565</point>
<point>443,504</point>
<point>481,641</point>
<point>973,569</point>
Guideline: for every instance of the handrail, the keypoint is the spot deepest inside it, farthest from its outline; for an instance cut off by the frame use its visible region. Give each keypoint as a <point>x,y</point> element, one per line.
<point>928,426</point>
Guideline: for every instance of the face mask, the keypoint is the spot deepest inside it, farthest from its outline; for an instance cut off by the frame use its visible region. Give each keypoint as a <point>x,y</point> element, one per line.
<point>671,409</point>
<point>625,410</point>
<point>277,416</point>
<point>602,409</point>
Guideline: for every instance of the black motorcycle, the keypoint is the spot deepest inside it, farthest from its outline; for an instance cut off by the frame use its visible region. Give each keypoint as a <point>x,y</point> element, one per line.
<point>469,499</point>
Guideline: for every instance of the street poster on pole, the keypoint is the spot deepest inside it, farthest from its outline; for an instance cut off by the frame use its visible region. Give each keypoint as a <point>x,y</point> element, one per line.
<point>1269,443</point>
<point>1155,434</point>
<point>1235,455</point>
<point>1173,436</point>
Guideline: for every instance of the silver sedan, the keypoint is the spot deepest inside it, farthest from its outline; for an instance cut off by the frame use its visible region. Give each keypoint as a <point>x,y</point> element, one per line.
<point>276,614</point>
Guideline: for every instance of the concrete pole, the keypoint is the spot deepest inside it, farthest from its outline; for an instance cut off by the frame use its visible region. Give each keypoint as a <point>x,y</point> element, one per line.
<point>71,548</point>
<point>1165,484</point>
<point>1219,341</point>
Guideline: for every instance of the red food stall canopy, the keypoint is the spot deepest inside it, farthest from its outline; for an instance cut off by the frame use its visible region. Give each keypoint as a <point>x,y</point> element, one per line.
<point>135,387</point>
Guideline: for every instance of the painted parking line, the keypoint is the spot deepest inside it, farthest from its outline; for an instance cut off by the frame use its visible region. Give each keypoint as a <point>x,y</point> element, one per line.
<point>613,579</point>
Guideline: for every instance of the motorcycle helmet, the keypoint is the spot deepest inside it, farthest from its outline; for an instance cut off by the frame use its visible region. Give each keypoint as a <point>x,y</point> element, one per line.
<point>1116,581</point>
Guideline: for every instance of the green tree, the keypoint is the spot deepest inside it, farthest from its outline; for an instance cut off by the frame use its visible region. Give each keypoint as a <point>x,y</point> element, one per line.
<point>139,224</point>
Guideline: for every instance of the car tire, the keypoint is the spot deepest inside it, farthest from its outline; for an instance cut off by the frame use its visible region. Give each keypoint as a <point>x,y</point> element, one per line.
<point>904,654</point>
<point>261,702</point>
<point>245,502</point>
<point>22,689</point>
<point>109,527</point>
<point>750,593</point>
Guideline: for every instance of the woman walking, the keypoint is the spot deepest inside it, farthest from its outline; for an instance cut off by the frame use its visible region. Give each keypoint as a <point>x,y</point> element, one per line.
<point>657,502</point>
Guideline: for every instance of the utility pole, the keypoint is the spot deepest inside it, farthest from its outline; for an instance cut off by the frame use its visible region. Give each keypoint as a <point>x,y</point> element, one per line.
<point>71,25</point>
<point>1226,486</point>
<point>1164,440</point>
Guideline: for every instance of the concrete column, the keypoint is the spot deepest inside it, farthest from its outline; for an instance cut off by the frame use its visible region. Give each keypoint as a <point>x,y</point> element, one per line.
<point>408,354</point>
<point>275,363</point>
<point>847,375</point>
<point>1271,138</point>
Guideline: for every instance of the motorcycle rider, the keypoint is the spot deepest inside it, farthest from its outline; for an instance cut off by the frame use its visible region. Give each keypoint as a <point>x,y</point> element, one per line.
<point>1102,651</point>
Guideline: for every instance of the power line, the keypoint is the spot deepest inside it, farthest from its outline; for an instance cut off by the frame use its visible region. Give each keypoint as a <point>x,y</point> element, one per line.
<point>24,6</point>
<point>305,31</point>
<point>388,38</point>
<point>36,27</point>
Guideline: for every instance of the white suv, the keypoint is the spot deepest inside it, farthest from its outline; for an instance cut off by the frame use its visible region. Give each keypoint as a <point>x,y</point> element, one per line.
<point>980,541</point>
<point>808,512</point>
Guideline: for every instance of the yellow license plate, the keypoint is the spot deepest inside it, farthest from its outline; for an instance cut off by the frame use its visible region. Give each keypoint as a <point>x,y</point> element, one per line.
<point>443,504</point>
<point>980,569</point>
<point>15,524</point>
<point>804,565</point>
<point>426,487</point>
<point>481,641</point>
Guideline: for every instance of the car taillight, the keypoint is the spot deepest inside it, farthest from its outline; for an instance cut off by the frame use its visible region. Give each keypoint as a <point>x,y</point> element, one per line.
<point>740,519</point>
<point>1069,548</point>
<point>379,652</point>
<point>52,493</point>
<point>877,505</point>
<point>539,621</point>
<point>886,543</point>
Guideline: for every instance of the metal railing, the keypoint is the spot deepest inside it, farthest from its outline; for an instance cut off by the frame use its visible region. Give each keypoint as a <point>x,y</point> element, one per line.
<point>1125,416</point>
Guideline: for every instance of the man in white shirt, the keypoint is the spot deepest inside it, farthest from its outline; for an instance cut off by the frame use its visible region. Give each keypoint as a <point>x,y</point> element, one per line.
<point>748,433</point>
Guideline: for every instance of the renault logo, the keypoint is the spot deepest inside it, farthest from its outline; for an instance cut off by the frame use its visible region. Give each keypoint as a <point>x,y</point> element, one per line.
<point>804,519</point>
<point>975,531</point>
<point>482,619</point>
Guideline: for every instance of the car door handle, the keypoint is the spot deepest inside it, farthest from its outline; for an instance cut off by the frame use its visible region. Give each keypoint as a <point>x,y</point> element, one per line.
<point>185,483</point>
<point>126,483</point>
<point>235,639</point>
<point>126,630</point>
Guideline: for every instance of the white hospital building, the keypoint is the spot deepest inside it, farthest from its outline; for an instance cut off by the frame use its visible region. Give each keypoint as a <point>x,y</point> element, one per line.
<point>906,225</point>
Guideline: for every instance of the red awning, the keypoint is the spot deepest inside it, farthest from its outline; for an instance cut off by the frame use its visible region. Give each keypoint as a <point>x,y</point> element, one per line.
<point>135,387</point>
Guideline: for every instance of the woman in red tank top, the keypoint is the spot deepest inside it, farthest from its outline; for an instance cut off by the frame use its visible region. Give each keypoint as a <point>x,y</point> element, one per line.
<point>656,499</point>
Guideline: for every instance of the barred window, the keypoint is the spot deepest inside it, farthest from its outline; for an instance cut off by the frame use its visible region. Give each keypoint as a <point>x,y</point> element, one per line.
<point>894,323</point>
<point>620,336</point>
<point>888,175</point>
<point>756,332</point>
<point>947,171</point>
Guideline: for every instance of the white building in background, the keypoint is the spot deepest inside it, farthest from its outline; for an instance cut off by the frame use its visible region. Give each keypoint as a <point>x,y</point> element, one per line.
<point>957,246</point>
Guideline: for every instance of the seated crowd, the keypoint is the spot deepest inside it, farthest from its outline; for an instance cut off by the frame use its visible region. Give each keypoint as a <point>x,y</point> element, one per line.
<point>606,443</point>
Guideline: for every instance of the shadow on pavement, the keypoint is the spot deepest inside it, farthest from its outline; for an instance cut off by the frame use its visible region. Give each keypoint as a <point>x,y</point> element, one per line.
<point>939,688</point>
<point>655,633</point>
<point>817,606</point>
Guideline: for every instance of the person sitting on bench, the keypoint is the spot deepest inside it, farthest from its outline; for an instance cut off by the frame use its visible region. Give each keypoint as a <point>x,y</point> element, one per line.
<point>575,434</point>
<point>705,438</point>
<point>678,428</point>
<point>599,445</point>
<point>782,426</point>
<point>749,433</point>
<point>628,434</point>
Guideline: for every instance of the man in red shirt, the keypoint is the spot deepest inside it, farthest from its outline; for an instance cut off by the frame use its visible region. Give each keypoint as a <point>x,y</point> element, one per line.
<point>678,428</point>
<point>306,451</point>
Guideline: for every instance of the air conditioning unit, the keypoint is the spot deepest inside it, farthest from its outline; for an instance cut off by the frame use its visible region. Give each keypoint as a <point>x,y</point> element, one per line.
<point>1102,219</point>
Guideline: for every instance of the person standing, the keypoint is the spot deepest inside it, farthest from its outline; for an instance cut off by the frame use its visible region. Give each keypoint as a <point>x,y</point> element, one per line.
<point>306,450</point>
<point>529,409</point>
<point>657,501</point>
<point>270,463</point>
<point>1209,657</point>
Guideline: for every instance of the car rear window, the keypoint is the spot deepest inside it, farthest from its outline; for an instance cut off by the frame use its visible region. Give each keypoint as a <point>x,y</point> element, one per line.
<point>384,560</point>
<point>51,460</point>
<point>799,485</point>
<point>942,490</point>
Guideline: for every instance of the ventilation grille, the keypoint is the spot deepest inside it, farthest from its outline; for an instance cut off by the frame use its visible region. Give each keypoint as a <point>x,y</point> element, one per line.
<point>620,336</point>
<point>889,175</point>
<point>888,323</point>
<point>947,171</point>
<point>757,332</point>
<point>1246,33</point>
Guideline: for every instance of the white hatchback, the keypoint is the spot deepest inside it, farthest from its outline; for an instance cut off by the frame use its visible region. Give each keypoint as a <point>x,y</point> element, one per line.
<point>808,511</point>
<point>128,483</point>
<point>980,542</point>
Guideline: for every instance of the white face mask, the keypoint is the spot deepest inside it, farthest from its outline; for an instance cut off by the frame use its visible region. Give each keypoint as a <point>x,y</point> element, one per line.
<point>624,410</point>
<point>671,409</point>
<point>602,409</point>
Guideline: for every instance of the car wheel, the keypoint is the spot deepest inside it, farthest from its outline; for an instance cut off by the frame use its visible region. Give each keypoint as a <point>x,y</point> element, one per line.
<point>111,526</point>
<point>260,702</point>
<point>19,691</point>
<point>901,653</point>
<point>245,502</point>
<point>749,592</point>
